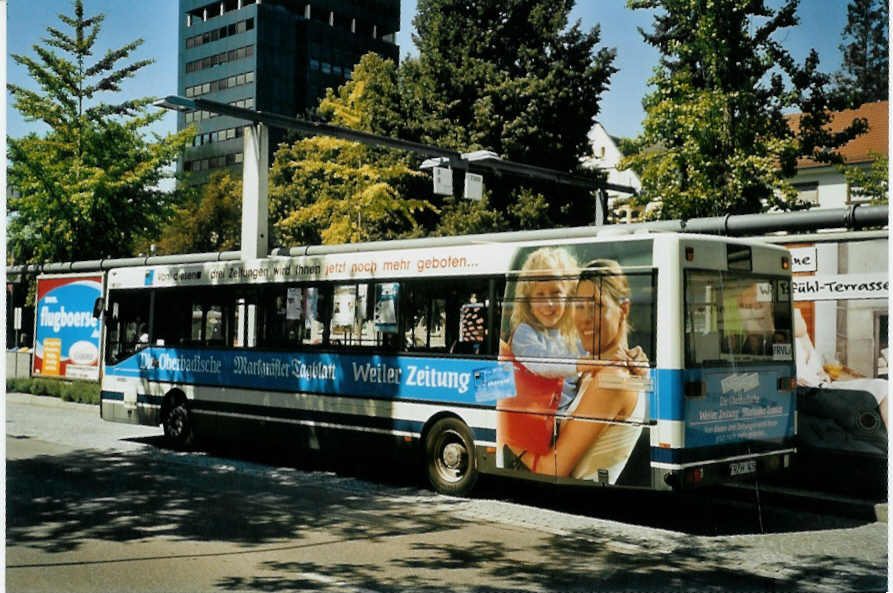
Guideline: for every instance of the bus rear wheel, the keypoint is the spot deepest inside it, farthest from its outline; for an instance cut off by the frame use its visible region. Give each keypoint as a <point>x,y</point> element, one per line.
<point>177,423</point>
<point>449,457</point>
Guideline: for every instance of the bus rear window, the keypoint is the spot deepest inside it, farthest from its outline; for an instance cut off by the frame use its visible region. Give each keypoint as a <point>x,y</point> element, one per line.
<point>736,318</point>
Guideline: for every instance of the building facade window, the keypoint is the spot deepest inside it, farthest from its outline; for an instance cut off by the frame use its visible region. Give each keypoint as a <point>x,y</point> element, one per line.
<point>218,136</point>
<point>807,192</point>
<point>215,9</point>
<point>216,162</point>
<point>221,33</point>
<point>318,40</point>
<point>194,116</point>
<point>232,55</point>
<point>220,84</point>
<point>856,195</point>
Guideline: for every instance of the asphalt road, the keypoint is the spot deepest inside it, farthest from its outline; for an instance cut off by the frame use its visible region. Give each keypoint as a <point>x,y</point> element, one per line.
<point>94,506</point>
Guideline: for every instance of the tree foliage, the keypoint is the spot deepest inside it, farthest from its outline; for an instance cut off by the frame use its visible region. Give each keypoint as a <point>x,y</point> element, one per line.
<point>88,187</point>
<point>864,76</point>
<point>370,101</point>
<point>334,191</point>
<point>872,182</point>
<point>508,76</point>
<point>325,190</point>
<point>715,122</point>
<point>513,77</point>
<point>210,219</point>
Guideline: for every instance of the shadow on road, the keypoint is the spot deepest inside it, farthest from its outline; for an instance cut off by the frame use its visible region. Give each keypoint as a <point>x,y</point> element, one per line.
<point>56,503</point>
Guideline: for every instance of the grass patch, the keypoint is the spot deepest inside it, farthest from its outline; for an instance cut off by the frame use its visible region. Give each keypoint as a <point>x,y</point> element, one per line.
<point>85,392</point>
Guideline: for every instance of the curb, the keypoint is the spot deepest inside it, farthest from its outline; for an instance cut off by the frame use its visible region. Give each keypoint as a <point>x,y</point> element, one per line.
<point>818,501</point>
<point>47,401</point>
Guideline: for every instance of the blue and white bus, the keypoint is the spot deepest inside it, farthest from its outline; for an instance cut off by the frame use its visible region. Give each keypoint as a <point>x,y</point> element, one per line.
<point>646,360</point>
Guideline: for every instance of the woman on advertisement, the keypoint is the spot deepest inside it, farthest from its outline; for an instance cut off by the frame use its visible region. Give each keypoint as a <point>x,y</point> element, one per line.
<point>611,392</point>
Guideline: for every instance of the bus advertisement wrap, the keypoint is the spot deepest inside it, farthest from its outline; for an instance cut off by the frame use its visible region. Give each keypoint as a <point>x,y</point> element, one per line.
<point>578,330</point>
<point>747,406</point>
<point>66,339</point>
<point>456,381</point>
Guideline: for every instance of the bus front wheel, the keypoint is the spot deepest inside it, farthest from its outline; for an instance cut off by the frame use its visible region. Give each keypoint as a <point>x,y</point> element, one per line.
<point>177,423</point>
<point>449,457</point>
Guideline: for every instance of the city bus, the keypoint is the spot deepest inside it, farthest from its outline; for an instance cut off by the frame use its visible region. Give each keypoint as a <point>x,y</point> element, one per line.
<point>644,360</point>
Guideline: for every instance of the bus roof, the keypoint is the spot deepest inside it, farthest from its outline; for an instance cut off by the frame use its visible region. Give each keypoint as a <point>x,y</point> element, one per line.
<point>437,258</point>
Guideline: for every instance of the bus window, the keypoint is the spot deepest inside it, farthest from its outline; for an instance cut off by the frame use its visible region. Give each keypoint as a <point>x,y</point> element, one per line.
<point>737,317</point>
<point>199,317</point>
<point>173,318</point>
<point>415,312</point>
<point>273,311</point>
<point>473,321</point>
<point>634,290</point>
<point>208,325</point>
<point>128,324</point>
<point>425,322</point>
<point>542,307</point>
<point>437,323</point>
<point>581,310</point>
<point>292,316</point>
<point>364,314</point>
<point>215,326</point>
<point>245,323</point>
<point>446,316</point>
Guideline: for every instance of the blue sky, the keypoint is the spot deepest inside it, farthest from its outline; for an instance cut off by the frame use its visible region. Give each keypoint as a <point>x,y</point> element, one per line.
<point>156,22</point>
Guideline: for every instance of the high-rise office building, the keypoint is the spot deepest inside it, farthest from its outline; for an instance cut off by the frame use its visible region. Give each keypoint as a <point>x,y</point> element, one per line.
<point>276,56</point>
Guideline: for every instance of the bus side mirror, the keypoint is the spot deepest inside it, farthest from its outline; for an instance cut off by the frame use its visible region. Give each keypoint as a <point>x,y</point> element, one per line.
<point>98,306</point>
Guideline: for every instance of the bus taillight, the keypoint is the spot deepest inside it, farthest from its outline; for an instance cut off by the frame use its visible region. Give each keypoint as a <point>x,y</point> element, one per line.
<point>694,475</point>
<point>695,389</point>
<point>787,383</point>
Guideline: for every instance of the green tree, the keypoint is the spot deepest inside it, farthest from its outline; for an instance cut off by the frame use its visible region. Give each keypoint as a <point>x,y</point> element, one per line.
<point>325,190</point>
<point>513,77</point>
<point>864,76</point>
<point>630,147</point>
<point>506,75</point>
<point>210,219</point>
<point>334,191</point>
<point>372,101</point>
<point>88,187</point>
<point>509,76</point>
<point>872,182</point>
<point>716,119</point>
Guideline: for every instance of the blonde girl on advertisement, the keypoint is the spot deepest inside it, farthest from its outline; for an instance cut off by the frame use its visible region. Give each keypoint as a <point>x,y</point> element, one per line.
<point>610,390</point>
<point>541,329</point>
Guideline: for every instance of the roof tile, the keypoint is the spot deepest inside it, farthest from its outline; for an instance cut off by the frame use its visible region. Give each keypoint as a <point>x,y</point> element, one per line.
<point>857,150</point>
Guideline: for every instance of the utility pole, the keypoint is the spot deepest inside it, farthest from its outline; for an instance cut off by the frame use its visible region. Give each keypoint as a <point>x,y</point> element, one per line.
<point>255,185</point>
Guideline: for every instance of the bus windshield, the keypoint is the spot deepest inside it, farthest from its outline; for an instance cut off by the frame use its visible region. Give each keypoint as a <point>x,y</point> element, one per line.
<point>733,318</point>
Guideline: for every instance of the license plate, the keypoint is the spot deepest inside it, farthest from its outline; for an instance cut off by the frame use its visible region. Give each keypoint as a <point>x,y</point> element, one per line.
<point>743,467</point>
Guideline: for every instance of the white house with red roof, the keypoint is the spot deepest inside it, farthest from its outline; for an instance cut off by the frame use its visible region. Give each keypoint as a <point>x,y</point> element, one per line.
<point>606,155</point>
<point>824,185</point>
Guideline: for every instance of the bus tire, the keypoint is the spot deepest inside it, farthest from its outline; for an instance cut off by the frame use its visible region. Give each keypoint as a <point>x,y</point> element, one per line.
<point>177,422</point>
<point>450,459</point>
